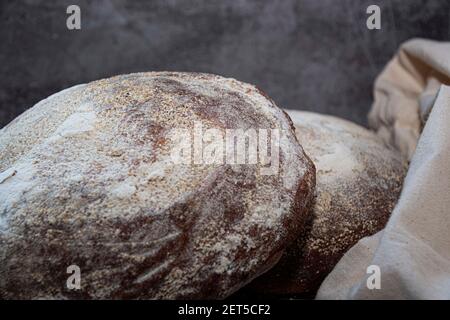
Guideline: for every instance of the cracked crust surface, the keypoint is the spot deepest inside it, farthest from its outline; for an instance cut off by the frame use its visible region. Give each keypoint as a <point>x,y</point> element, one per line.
<point>86,178</point>
<point>358,183</point>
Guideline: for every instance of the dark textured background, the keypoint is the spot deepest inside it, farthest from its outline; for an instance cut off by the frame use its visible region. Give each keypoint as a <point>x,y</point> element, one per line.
<point>306,54</point>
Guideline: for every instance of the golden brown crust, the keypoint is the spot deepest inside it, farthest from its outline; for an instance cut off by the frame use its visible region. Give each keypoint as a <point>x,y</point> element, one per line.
<point>94,186</point>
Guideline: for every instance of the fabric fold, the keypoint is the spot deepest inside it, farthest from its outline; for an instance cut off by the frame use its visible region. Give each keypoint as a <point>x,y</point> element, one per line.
<point>413,251</point>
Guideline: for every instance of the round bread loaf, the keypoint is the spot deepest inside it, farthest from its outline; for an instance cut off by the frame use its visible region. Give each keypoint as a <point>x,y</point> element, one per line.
<point>89,179</point>
<point>358,183</point>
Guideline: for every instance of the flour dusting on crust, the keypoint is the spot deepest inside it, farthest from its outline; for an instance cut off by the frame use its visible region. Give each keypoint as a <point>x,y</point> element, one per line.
<point>358,182</point>
<point>94,186</point>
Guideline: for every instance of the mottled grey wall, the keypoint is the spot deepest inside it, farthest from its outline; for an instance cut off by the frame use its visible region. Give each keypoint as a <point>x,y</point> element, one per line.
<point>306,54</point>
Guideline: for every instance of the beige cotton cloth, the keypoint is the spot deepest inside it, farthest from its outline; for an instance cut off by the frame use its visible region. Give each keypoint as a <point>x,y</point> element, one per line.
<point>406,90</point>
<point>413,251</point>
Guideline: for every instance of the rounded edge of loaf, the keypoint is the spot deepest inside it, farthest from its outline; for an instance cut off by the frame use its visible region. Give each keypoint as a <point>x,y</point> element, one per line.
<point>85,162</point>
<point>358,182</point>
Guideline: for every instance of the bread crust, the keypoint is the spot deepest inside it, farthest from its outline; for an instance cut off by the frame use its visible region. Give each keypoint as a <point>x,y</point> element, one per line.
<point>358,183</point>
<point>93,186</point>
